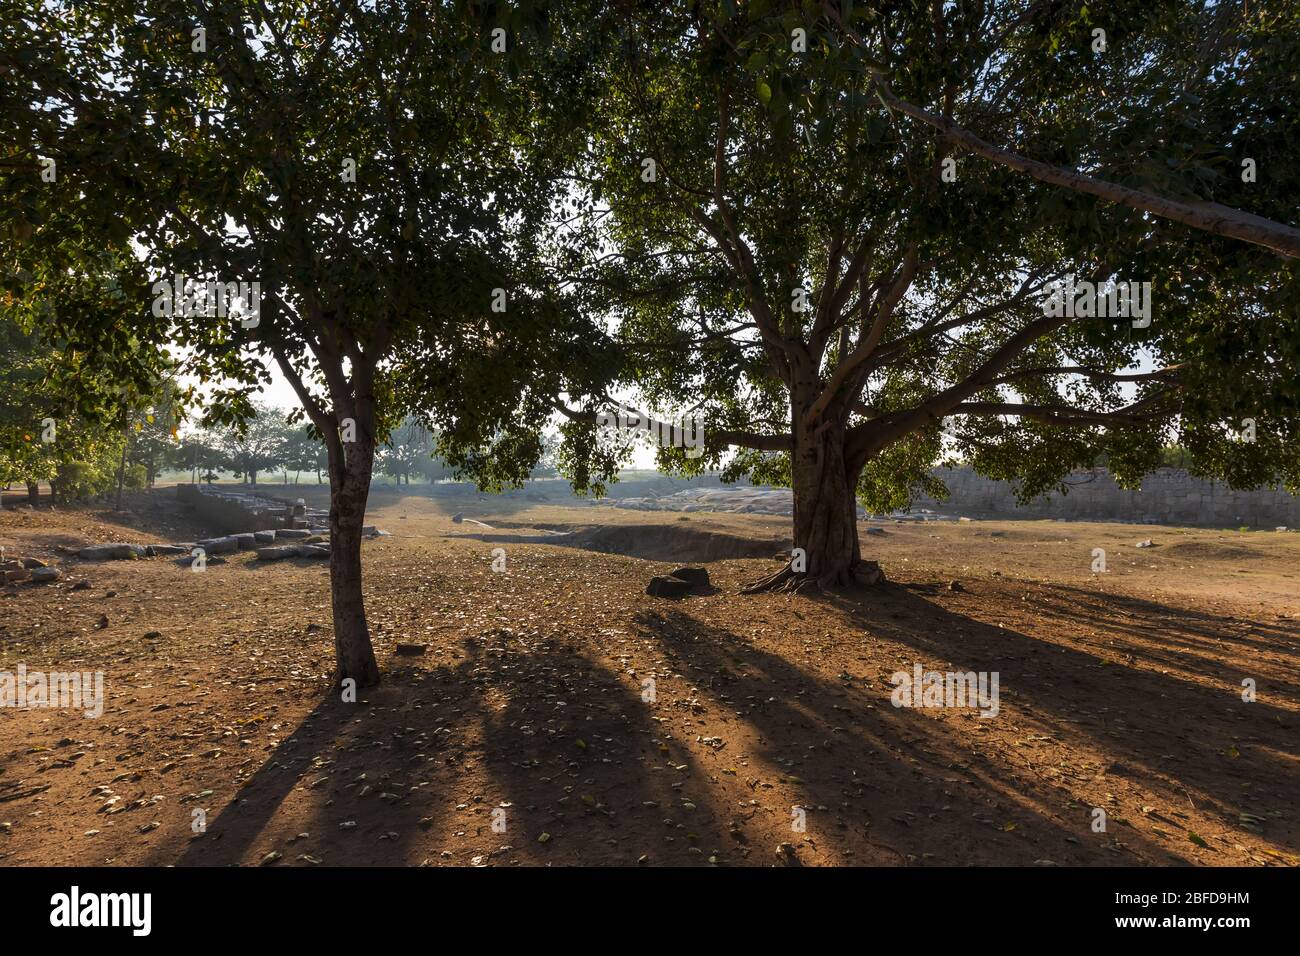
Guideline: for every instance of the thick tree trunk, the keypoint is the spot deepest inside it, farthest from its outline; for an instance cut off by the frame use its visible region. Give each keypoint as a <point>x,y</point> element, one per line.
<point>349,489</point>
<point>825,511</point>
<point>33,493</point>
<point>826,550</point>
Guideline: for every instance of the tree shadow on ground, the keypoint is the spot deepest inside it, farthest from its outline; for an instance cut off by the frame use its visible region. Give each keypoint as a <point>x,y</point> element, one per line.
<point>536,729</point>
<point>1179,637</point>
<point>879,777</point>
<point>1162,730</point>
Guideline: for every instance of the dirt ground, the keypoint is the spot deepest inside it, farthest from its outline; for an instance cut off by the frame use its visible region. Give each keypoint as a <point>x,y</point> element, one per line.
<point>1119,690</point>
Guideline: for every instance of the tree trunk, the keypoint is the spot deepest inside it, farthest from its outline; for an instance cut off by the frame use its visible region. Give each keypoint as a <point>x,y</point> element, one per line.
<point>826,550</point>
<point>121,475</point>
<point>349,489</point>
<point>33,493</point>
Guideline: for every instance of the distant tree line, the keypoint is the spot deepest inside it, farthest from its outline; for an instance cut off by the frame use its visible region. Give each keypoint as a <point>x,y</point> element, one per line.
<point>100,438</point>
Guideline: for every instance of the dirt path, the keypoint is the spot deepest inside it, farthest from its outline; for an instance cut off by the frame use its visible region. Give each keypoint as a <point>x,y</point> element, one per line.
<point>1118,691</point>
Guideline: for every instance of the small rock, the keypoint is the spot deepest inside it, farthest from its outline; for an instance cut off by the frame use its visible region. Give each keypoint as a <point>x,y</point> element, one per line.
<point>226,545</point>
<point>278,553</point>
<point>41,575</point>
<point>667,587</point>
<point>165,550</point>
<point>112,552</point>
<point>955,586</point>
<point>696,577</point>
<point>1145,544</point>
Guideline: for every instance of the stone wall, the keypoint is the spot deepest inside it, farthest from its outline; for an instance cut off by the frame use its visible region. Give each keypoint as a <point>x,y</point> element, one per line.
<point>228,511</point>
<point>1169,496</point>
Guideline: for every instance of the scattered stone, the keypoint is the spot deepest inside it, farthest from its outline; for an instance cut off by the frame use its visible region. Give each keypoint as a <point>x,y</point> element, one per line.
<point>876,531</point>
<point>290,533</point>
<point>458,517</point>
<point>312,551</point>
<point>112,552</point>
<point>224,545</point>
<point>245,541</point>
<point>955,586</point>
<point>42,575</point>
<point>667,587</point>
<point>869,573</point>
<point>264,537</point>
<point>696,577</point>
<point>33,563</point>
<point>278,553</point>
<point>165,550</point>
<point>1145,544</point>
<point>81,586</point>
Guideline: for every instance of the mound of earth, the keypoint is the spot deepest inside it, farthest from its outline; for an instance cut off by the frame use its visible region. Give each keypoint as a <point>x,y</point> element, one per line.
<point>651,542</point>
<point>1210,551</point>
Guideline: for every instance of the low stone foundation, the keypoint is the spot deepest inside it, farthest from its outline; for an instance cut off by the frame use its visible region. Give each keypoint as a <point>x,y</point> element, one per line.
<point>231,512</point>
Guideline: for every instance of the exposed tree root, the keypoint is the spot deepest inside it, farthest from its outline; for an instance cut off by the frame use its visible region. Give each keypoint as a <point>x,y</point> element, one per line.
<point>789,581</point>
<point>772,582</point>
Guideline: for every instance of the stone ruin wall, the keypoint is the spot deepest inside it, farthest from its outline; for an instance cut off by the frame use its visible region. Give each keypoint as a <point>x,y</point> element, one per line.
<point>1168,496</point>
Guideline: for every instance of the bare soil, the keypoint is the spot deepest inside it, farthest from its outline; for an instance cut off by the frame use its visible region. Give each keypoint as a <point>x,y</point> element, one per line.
<point>1120,691</point>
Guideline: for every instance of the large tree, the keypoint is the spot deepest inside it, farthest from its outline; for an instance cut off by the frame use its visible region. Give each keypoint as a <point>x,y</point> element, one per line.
<point>384,171</point>
<point>805,252</point>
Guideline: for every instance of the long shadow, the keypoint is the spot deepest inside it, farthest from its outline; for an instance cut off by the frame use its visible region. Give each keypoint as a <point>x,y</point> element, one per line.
<point>1172,733</point>
<point>888,778</point>
<point>576,752</point>
<point>538,730</point>
<point>1122,615</point>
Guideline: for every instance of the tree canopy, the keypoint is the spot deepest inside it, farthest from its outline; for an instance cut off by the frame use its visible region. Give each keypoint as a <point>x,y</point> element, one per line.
<point>853,238</point>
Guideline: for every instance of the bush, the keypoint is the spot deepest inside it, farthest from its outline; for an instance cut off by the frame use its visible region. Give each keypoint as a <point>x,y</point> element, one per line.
<point>81,479</point>
<point>136,477</point>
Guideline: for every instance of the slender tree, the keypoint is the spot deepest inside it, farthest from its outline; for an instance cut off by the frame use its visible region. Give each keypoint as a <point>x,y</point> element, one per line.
<point>360,192</point>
